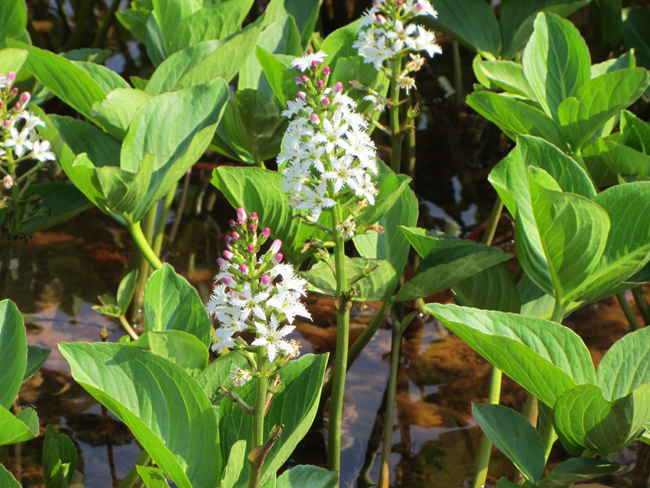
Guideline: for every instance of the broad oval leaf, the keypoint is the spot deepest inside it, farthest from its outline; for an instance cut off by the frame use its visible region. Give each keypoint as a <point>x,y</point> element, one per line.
<point>21,428</point>
<point>13,352</point>
<point>7,479</point>
<point>162,404</point>
<point>117,110</point>
<point>218,373</point>
<point>305,13</point>
<point>13,19</point>
<point>235,464</point>
<point>177,346</point>
<point>36,357</point>
<point>171,303</point>
<point>307,476</point>
<point>152,477</point>
<point>508,76</point>
<point>635,34</point>
<point>59,459</point>
<point>576,470</point>
<point>491,289</point>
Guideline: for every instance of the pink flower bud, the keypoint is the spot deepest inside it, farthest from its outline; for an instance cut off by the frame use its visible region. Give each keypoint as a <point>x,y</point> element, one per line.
<point>399,3</point>
<point>244,269</point>
<point>232,223</point>
<point>228,255</point>
<point>252,228</point>
<point>298,69</point>
<point>265,280</point>
<point>236,236</point>
<point>240,221</point>
<point>25,97</point>
<point>419,6</point>
<point>314,64</point>
<point>228,281</point>
<point>275,247</point>
<point>228,240</point>
<point>314,118</point>
<point>2,104</point>
<point>298,80</point>
<point>380,19</point>
<point>7,123</point>
<point>338,86</point>
<point>266,233</point>
<point>320,84</point>
<point>18,107</point>
<point>254,217</point>
<point>302,95</point>
<point>277,258</point>
<point>222,263</point>
<point>14,92</point>
<point>11,77</point>
<point>304,78</point>
<point>251,248</point>
<point>325,101</point>
<point>326,70</point>
<point>241,213</point>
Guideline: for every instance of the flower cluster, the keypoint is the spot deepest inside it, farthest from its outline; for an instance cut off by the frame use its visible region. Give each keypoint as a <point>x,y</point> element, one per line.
<point>326,146</point>
<point>255,295</point>
<point>385,32</point>
<point>20,140</point>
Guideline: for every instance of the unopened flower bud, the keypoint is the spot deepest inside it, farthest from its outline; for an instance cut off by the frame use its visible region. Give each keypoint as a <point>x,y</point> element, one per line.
<point>251,248</point>
<point>228,240</point>
<point>277,258</point>
<point>265,280</point>
<point>314,64</point>
<point>240,221</point>
<point>338,86</point>
<point>380,19</point>
<point>232,223</point>
<point>304,78</point>
<point>18,107</point>
<point>244,269</point>
<point>228,281</point>
<point>11,77</point>
<point>275,246</point>
<point>252,228</point>
<point>241,213</point>
<point>2,104</point>
<point>236,236</point>
<point>14,92</point>
<point>8,182</point>
<point>266,233</point>
<point>7,122</point>
<point>298,80</point>
<point>325,101</point>
<point>419,6</point>
<point>326,70</point>
<point>254,217</point>
<point>223,263</point>
<point>302,95</point>
<point>314,118</point>
<point>320,84</point>
<point>228,255</point>
<point>399,3</point>
<point>25,97</point>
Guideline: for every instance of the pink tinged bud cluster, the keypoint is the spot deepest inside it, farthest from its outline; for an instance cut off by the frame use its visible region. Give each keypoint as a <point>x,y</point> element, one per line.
<point>256,292</point>
<point>326,141</point>
<point>384,31</point>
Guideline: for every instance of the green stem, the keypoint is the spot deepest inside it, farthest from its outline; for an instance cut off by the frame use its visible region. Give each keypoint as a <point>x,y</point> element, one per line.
<point>162,220</point>
<point>627,310</point>
<point>141,241</point>
<point>485,450</point>
<point>493,222</point>
<point>458,73</point>
<point>642,303</point>
<point>548,438</point>
<point>558,310</point>
<point>396,136</point>
<point>384,466</point>
<point>409,148</point>
<point>255,472</point>
<point>106,24</point>
<point>342,343</point>
<point>132,475</point>
<point>127,327</point>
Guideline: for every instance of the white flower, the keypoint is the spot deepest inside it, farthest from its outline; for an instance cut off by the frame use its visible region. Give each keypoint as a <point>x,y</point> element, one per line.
<point>19,141</point>
<point>347,228</point>
<point>8,182</point>
<point>249,302</point>
<point>240,377</point>
<point>288,302</point>
<point>343,173</point>
<point>424,40</point>
<point>41,151</point>
<point>31,121</point>
<point>303,63</point>
<point>223,339</point>
<point>406,82</point>
<point>269,336</point>
<point>315,200</point>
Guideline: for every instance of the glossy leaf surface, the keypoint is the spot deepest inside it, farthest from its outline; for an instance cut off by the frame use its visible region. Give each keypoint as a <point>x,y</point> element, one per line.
<point>59,459</point>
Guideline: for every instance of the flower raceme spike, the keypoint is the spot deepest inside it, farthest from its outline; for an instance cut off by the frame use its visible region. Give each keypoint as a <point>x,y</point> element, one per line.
<point>256,294</point>
<point>326,146</point>
<point>384,31</point>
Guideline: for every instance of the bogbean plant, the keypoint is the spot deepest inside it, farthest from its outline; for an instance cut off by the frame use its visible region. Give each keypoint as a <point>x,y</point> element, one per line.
<point>198,421</point>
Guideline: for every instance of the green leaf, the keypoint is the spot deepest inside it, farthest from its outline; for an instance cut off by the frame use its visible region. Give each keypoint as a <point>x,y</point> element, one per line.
<point>635,133</point>
<point>597,101</point>
<point>278,74</point>
<point>449,265</point>
<point>7,479</point>
<point>126,289</point>
<point>491,289</point>
<point>627,60</point>
<point>235,464</point>
<point>209,23</point>
<point>280,37</point>
<point>116,112</point>
<point>169,14</point>
<point>536,303</point>
<point>636,35</point>
<point>514,117</point>
<point>218,374</point>
<point>376,286</point>
<point>251,125</point>
<point>517,19</point>
<point>514,436</point>
<point>20,428</point>
<point>471,22</point>
<point>160,402</point>
<point>338,44</point>
<point>36,357</point>
<point>63,78</point>
<point>607,14</point>
<point>294,406</point>
<point>508,76</point>
<point>178,347</point>
<point>544,357</point>
<point>12,59</point>
<point>307,476</point>
<point>305,13</point>
<point>576,470</point>
<point>13,19</point>
<point>152,477</point>
<point>135,21</point>
<point>505,483</point>
<point>390,187</point>
<point>107,79</point>
<point>171,303</point>
<point>584,419</point>
<point>260,190</point>
<point>226,61</point>
<point>154,41</point>
<point>622,160</point>
<point>556,62</point>
<point>13,352</point>
<point>59,459</point>
<point>426,241</point>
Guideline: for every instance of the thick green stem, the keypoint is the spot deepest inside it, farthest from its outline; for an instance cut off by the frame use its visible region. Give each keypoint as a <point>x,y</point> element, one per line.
<point>642,303</point>
<point>483,459</point>
<point>396,136</point>
<point>255,472</point>
<point>141,241</point>
<point>493,222</point>
<point>342,343</point>
<point>384,467</point>
<point>558,310</point>
<point>106,24</point>
<point>132,475</point>
<point>162,220</point>
<point>627,310</point>
<point>548,438</point>
<point>127,327</point>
